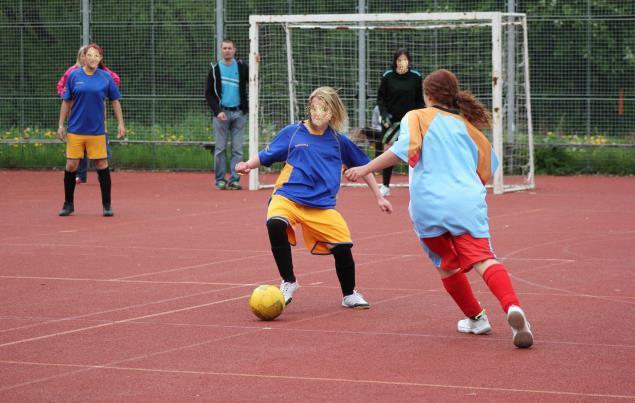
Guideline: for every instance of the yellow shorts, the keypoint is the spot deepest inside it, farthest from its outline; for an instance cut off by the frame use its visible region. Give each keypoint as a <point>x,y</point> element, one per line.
<point>95,146</point>
<point>320,227</point>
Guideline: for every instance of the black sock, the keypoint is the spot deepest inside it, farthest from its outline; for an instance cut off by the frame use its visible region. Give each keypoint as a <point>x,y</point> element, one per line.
<point>387,173</point>
<point>105,185</point>
<point>281,248</point>
<point>345,268</point>
<point>69,186</point>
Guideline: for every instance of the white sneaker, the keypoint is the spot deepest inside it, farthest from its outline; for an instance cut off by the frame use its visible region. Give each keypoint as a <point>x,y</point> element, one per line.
<point>384,190</point>
<point>287,290</point>
<point>355,300</point>
<point>521,330</point>
<point>480,325</point>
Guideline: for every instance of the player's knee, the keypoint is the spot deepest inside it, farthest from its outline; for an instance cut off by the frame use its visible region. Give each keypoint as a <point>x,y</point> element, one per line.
<point>342,253</point>
<point>277,230</point>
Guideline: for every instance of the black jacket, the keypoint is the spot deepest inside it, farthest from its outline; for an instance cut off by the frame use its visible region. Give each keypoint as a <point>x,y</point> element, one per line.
<point>213,88</point>
<point>399,93</point>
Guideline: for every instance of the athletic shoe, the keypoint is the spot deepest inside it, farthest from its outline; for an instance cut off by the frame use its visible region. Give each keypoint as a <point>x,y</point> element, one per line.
<point>355,300</point>
<point>521,330</point>
<point>384,190</point>
<point>287,290</point>
<point>108,211</point>
<point>67,209</point>
<point>234,185</point>
<point>480,325</point>
<point>221,184</point>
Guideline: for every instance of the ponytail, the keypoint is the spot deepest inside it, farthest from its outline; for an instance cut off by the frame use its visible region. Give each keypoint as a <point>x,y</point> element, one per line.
<point>443,87</point>
<point>474,111</point>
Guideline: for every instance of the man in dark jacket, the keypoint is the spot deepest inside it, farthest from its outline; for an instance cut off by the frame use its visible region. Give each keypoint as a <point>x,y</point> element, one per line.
<point>226,95</point>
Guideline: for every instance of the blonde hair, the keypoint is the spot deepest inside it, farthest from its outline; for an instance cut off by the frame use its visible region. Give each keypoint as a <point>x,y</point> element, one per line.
<point>81,52</point>
<point>339,120</point>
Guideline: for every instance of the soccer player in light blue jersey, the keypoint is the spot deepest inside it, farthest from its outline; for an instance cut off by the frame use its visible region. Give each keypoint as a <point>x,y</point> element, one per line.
<point>450,161</point>
<point>315,153</point>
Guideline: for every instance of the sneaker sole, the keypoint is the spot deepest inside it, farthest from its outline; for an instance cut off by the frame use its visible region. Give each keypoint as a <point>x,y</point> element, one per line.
<point>523,337</point>
<point>480,331</point>
<point>357,306</point>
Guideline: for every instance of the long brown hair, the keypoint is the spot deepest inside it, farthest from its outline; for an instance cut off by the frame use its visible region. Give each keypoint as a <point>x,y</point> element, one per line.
<point>443,87</point>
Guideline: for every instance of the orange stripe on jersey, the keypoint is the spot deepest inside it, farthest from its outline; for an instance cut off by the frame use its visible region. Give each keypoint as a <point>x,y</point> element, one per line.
<point>284,176</point>
<point>418,122</point>
<point>484,167</point>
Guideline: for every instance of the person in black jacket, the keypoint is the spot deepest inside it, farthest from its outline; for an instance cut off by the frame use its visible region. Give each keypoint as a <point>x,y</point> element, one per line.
<point>226,95</point>
<point>400,91</point>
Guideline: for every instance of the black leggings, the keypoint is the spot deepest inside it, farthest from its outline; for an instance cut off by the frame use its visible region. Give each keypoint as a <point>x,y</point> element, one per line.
<point>281,249</point>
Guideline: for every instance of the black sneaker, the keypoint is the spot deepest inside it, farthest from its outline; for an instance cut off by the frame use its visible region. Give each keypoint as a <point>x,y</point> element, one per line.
<point>67,209</point>
<point>108,211</point>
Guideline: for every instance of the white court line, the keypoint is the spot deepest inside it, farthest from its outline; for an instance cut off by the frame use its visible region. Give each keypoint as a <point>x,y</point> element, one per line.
<point>117,322</point>
<point>330,380</point>
<point>196,266</point>
<point>127,247</point>
<point>114,223</point>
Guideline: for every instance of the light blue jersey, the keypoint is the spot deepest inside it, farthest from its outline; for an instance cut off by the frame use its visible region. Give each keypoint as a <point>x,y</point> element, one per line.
<point>450,161</point>
<point>230,93</point>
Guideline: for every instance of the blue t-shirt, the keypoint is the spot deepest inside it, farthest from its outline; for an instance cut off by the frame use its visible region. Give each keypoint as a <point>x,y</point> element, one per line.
<point>450,162</point>
<point>88,93</point>
<point>314,163</point>
<point>230,91</point>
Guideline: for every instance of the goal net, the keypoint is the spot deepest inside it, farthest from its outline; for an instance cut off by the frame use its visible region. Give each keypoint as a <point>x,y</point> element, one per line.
<point>350,52</point>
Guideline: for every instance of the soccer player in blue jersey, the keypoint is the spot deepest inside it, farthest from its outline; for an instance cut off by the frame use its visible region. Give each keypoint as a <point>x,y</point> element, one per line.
<point>84,97</point>
<point>314,152</point>
<point>450,161</point>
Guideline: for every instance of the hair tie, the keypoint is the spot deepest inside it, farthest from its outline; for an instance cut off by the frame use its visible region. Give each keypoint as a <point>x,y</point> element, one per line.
<point>455,101</point>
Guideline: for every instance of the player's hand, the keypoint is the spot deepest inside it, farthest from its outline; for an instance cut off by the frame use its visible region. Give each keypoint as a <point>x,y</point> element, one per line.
<point>121,132</point>
<point>61,133</point>
<point>384,205</point>
<point>353,174</point>
<point>242,168</point>
<point>221,116</point>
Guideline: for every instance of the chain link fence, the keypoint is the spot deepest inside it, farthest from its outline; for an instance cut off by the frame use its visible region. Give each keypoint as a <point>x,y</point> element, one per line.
<point>582,64</point>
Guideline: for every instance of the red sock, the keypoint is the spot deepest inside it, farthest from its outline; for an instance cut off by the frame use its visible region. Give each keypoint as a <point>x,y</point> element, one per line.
<point>498,281</point>
<point>461,292</point>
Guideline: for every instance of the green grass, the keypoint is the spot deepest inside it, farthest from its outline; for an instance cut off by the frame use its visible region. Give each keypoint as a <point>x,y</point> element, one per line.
<point>555,154</point>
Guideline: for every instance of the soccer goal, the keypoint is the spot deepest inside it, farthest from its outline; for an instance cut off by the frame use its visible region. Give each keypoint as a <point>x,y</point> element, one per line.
<point>298,53</point>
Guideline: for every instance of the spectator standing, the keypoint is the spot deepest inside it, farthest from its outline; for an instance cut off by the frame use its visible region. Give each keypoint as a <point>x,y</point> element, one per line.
<point>226,95</point>
<point>400,91</point>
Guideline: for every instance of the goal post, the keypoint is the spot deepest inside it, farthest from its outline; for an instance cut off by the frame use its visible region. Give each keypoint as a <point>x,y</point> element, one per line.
<point>291,55</point>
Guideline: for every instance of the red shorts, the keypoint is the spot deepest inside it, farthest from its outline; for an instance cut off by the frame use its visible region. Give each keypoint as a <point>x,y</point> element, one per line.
<point>450,252</point>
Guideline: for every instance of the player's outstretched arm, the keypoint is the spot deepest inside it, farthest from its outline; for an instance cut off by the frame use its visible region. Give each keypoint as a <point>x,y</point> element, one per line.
<point>243,168</point>
<point>384,205</point>
<point>385,160</point>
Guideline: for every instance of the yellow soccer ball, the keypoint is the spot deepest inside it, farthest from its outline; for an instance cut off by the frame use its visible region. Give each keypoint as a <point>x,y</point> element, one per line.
<point>267,302</point>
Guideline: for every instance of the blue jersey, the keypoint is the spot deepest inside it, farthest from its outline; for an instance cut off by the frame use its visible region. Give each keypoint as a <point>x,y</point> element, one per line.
<point>450,161</point>
<point>314,163</point>
<point>88,93</point>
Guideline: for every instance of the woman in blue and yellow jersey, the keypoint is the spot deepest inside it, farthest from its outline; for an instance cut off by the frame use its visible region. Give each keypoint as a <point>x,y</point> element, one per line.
<point>450,161</point>
<point>314,152</point>
<point>84,97</point>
